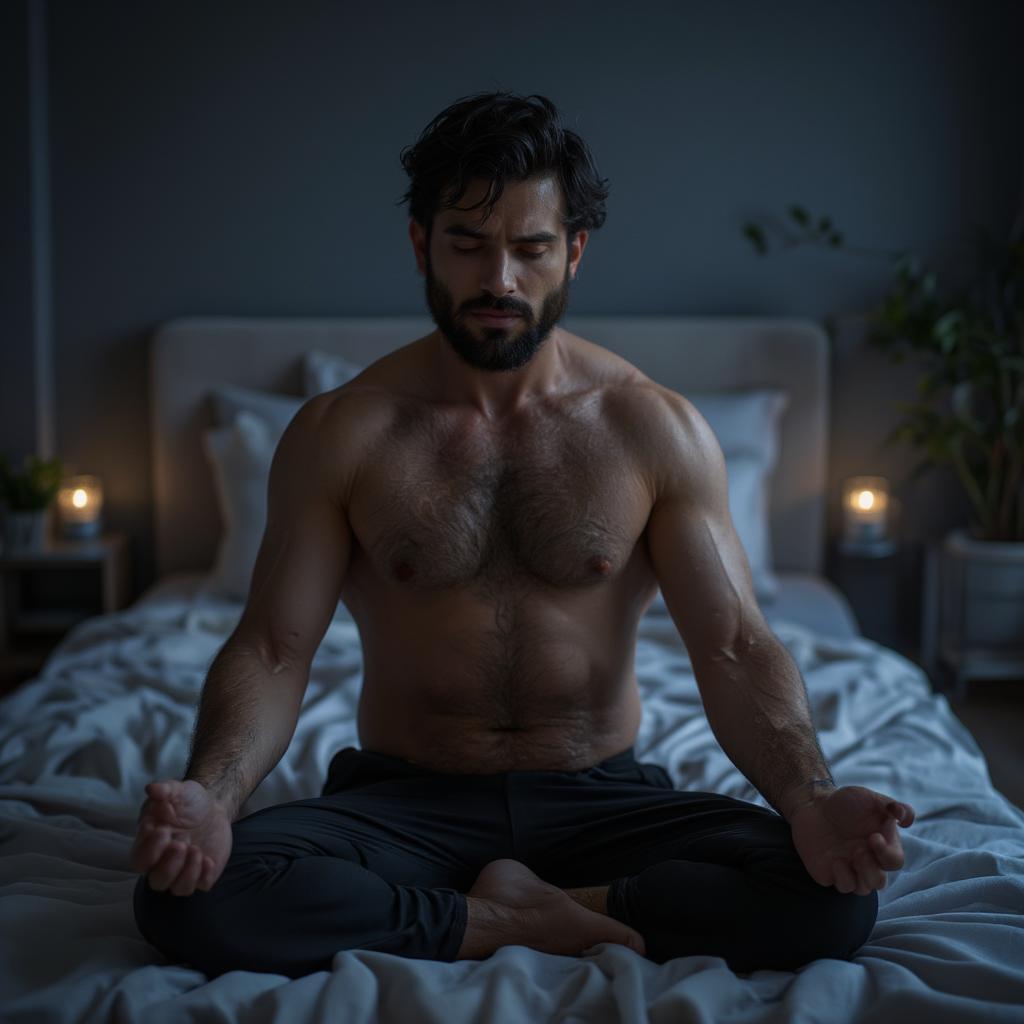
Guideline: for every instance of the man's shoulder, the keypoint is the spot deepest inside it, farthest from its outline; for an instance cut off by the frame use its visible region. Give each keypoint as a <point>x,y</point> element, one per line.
<point>661,426</point>
<point>624,381</point>
<point>337,431</point>
<point>639,405</point>
<point>371,399</point>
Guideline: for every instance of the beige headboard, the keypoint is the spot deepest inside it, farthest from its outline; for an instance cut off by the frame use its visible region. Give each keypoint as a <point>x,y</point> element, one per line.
<point>189,356</point>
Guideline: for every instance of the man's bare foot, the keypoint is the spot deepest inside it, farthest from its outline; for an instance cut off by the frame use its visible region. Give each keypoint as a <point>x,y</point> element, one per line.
<point>509,905</point>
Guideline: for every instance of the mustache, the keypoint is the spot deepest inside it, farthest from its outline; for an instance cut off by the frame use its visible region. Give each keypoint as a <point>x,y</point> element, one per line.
<point>504,310</point>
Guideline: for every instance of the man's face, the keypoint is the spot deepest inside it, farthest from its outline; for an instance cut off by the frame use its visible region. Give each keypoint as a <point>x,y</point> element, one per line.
<point>517,261</point>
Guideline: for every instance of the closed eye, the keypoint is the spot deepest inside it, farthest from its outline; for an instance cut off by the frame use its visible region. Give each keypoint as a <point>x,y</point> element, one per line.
<point>528,255</point>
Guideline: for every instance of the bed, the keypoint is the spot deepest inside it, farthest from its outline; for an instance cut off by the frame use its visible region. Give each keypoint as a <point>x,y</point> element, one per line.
<point>114,704</point>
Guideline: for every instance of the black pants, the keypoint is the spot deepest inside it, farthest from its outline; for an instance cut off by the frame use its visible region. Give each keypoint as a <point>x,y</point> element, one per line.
<point>382,858</point>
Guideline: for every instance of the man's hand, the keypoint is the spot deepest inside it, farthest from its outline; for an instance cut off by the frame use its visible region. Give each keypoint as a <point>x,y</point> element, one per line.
<point>848,838</point>
<point>184,837</point>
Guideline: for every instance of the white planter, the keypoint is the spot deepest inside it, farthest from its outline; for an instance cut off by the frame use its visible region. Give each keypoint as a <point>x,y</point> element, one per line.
<point>981,627</point>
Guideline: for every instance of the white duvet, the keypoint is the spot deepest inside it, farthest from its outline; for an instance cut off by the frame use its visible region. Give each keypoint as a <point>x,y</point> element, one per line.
<point>114,707</point>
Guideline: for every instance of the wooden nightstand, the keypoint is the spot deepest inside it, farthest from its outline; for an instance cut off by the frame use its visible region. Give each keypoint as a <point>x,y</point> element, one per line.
<point>44,593</point>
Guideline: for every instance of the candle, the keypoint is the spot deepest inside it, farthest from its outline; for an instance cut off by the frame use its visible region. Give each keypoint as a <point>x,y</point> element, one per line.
<point>80,502</point>
<point>865,510</point>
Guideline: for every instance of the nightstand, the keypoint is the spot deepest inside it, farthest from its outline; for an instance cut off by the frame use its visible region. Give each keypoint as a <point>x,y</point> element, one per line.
<point>884,593</point>
<point>44,593</point>
<point>950,660</point>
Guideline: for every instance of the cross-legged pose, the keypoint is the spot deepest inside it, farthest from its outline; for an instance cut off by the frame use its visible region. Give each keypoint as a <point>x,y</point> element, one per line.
<point>496,504</point>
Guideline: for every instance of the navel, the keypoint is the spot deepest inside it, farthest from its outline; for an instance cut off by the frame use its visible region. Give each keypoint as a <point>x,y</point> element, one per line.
<point>404,571</point>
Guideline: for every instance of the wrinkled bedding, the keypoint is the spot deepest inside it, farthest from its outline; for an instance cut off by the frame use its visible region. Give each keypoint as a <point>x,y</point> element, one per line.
<point>114,706</point>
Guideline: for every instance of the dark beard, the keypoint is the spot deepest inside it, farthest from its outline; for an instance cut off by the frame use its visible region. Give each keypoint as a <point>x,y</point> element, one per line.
<point>497,349</point>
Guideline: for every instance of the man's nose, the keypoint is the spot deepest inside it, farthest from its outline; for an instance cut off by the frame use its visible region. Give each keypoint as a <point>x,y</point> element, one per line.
<point>498,275</point>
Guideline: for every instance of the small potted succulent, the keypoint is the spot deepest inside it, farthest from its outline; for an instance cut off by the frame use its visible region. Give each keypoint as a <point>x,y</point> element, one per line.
<point>26,497</point>
<point>969,414</point>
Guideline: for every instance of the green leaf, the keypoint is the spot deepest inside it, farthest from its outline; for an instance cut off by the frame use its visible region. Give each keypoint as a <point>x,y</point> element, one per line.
<point>937,449</point>
<point>962,400</point>
<point>756,235</point>
<point>920,469</point>
<point>835,239</point>
<point>946,330</point>
<point>800,215</point>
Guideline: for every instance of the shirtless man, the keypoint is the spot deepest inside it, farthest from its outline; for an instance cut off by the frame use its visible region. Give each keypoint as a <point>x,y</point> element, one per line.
<point>496,504</point>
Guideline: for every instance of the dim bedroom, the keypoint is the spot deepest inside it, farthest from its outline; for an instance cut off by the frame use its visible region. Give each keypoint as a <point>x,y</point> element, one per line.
<point>113,709</point>
<point>477,611</point>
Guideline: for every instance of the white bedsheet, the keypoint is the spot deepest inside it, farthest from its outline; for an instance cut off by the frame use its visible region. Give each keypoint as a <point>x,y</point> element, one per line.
<point>114,708</point>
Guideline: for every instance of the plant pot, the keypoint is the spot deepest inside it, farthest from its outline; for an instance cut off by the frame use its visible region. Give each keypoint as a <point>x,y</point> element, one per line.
<point>24,530</point>
<point>982,608</point>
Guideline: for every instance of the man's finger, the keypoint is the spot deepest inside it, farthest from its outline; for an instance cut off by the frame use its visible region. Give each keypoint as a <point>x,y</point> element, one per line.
<point>869,875</point>
<point>888,852</point>
<point>206,877</point>
<point>903,813</point>
<point>185,883</point>
<point>167,868</point>
<point>149,849</point>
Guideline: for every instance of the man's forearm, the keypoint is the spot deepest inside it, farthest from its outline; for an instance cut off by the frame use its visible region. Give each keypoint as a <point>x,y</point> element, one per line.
<point>246,719</point>
<point>760,715</point>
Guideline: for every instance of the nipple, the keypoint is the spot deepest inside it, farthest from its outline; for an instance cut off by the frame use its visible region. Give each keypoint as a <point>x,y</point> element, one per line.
<point>600,565</point>
<point>404,571</point>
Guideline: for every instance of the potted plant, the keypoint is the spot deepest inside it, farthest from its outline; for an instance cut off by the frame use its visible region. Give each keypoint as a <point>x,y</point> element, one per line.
<point>26,497</point>
<point>969,414</point>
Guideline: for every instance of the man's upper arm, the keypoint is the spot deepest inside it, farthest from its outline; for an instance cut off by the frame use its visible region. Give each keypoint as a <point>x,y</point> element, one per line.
<point>697,556</point>
<point>297,577</point>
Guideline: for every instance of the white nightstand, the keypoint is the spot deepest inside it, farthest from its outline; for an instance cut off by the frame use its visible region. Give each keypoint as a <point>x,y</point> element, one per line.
<point>44,593</point>
<point>951,661</point>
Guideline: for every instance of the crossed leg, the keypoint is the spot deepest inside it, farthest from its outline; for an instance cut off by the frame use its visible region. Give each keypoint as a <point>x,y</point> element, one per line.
<point>569,860</point>
<point>693,873</point>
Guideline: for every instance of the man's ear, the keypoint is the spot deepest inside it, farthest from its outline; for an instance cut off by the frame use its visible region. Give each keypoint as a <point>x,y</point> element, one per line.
<point>576,247</point>
<point>418,235</point>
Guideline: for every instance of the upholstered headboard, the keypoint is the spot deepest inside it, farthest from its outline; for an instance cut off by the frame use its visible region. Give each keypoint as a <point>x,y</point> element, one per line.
<point>190,356</point>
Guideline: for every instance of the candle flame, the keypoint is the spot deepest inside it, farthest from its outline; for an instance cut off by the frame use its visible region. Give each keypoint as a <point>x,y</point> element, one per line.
<point>79,498</point>
<point>865,499</point>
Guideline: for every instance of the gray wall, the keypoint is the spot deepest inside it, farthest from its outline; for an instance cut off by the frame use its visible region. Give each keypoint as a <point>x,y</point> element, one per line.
<point>242,158</point>
<point>17,405</point>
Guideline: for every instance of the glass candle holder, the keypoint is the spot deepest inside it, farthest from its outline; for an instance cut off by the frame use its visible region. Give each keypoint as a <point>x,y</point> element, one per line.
<point>80,505</point>
<point>866,516</point>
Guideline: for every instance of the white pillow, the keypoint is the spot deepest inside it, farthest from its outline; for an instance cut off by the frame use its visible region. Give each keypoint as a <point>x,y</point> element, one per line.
<point>240,457</point>
<point>276,410</point>
<point>325,371</point>
<point>749,486</point>
<point>746,424</point>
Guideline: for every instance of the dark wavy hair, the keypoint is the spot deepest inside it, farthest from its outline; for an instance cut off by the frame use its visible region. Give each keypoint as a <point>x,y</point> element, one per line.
<point>501,137</point>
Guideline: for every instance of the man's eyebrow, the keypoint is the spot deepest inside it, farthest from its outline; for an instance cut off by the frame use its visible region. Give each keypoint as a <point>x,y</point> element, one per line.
<point>464,232</point>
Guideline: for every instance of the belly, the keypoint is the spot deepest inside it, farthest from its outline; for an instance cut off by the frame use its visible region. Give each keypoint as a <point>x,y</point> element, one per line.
<point>459,690</point>
<point>468,748</point>
<point>464,745</point>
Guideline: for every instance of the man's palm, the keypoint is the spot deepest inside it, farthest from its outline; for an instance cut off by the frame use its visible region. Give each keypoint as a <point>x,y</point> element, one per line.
<point>184,837</point>
<point>849,838</point>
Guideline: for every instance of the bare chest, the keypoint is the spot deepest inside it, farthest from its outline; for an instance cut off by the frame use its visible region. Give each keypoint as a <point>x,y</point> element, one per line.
<point>555,499</point>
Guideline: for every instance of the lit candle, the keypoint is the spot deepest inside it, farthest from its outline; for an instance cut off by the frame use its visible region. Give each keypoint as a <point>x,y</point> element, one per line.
<point>80,502</point>
<point>865,510</point>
